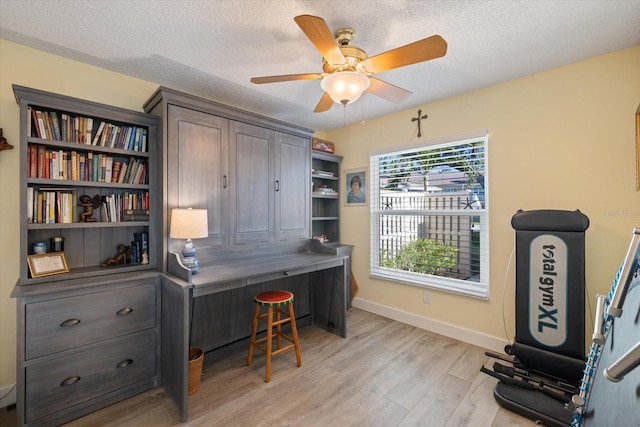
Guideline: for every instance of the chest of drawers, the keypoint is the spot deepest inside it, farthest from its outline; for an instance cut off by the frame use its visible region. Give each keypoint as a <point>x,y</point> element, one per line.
<point>84,347</point>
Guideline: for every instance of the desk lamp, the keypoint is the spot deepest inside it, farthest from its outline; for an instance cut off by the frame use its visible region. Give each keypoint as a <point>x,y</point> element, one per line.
<point>189,224</point>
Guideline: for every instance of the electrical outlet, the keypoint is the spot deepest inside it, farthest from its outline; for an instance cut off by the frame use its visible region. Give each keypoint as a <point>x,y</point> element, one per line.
<point>426,297</point>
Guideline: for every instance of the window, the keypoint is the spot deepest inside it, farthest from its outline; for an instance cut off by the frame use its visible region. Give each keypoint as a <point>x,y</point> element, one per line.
<point>429,214</point>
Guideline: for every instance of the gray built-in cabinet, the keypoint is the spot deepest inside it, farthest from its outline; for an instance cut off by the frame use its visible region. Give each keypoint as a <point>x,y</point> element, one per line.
<point>91,334</point>
<point>325,206</point>
<point>250,172</point>
<point>88,334</point>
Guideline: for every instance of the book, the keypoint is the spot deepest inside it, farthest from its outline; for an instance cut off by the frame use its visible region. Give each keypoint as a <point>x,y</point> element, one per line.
<point>95,168</point>
<point>96,138</point>
<point>123,172</point>
<point>131,167</point>
<point>62,164</point>
<point>30,126</point>
<point>32,171</point>
<point>40,160</point>
<point>108,169</point>
<point>82,167</point>
<point>46,117</point>
<point>30,192</point>
<point>144,141</point>
<point>114,136</point>
<point>115,174</point>
<point>88,130</point>
<point>47,164</point>
<point>89,167</point>
<point>136,215</point>
<point>74,165</point>
<point>105,134</point>
<point>55,125</point>
<point>103,167</point>
<point>39,119</point>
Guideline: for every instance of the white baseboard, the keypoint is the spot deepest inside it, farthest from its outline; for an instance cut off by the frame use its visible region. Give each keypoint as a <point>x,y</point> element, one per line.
<point>452,331</point>
<point>10,398</point>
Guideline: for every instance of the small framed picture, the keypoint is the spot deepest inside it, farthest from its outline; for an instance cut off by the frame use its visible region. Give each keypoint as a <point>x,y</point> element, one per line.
<point>41,265</point>
<point>356,187</point>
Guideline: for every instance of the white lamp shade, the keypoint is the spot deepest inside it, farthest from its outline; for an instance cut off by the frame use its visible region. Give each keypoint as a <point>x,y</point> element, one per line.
<point>345,87</point>
<point>189,224</point>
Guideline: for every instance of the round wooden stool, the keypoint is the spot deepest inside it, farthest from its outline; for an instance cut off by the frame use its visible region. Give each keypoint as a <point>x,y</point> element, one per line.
<point>274,301</point>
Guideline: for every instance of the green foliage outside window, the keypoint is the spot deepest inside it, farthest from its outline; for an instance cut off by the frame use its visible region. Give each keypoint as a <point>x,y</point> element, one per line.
<point>424,256</point>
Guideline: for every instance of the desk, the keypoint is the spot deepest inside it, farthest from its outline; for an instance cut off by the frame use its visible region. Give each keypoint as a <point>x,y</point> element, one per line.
<point>230,279</point>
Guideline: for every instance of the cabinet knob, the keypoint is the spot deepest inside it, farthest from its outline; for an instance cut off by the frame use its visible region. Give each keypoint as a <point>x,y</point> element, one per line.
<point>125,363</point>
<point>286,273</point>
<point>70,322</point>
<point>124,311</point>
<point>70,381</point>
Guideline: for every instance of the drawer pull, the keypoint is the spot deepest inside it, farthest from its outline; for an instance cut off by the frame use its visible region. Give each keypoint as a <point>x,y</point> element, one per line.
<point>124,311</point>
<point>70,322</point>
<point>125,363</point>
<point>70,381</point>
<point>286,273</point>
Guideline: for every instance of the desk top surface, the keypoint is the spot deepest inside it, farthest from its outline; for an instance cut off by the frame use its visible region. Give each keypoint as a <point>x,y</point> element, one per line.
<point>213,272</point>
<point>218,272</point>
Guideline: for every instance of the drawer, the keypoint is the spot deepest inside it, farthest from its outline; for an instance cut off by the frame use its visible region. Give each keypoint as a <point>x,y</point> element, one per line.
<point>70,380</point>
<point>65,323</point>
<point>280,274</point>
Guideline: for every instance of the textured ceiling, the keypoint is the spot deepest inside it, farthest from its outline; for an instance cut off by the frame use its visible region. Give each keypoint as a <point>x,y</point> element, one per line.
<point>212,48</point>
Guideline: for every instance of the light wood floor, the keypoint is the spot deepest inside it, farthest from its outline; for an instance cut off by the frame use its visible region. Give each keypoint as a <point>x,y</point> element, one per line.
<point>385,373</point>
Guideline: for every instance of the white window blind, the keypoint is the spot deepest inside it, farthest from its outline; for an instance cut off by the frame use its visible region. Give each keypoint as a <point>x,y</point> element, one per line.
<point>429,214</point>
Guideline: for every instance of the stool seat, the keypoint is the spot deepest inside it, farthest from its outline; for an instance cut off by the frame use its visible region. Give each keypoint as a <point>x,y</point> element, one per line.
<point>275,302</point>
<point>274,298</point>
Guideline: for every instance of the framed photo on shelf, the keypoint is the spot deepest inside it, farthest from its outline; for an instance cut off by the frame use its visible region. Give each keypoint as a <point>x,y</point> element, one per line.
<point>47,264</point>
<point>356,185</point>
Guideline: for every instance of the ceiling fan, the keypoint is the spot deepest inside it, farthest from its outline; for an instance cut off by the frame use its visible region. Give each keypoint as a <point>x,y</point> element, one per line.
<point>348,72</point>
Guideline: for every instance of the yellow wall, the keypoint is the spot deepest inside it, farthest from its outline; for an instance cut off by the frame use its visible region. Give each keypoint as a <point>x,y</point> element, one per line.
<point>562,139</point>
<point>26,67</point>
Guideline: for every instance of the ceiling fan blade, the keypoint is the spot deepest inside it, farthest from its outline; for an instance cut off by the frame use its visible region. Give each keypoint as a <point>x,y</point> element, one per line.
<point>388,91</point>
<point>422,50</point>
<point>325,104</point>
<point>285,78</point>
<point>316,29</point>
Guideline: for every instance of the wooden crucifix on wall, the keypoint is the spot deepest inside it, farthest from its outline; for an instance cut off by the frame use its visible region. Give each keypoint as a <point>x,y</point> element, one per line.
<point>417,119</point>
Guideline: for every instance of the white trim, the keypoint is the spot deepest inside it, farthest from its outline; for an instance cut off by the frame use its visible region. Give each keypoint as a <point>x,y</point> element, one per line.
<point>435,141</point>
<point>469,336</point>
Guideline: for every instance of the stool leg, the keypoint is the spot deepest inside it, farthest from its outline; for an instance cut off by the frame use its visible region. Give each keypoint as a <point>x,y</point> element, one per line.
<point>254,327</point>
<point>267,375</point>
<point>278,329</point>
<point>294,332</point>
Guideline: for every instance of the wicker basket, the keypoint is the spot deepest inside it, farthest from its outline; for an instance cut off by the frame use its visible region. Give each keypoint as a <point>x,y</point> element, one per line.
<point>196,357</point>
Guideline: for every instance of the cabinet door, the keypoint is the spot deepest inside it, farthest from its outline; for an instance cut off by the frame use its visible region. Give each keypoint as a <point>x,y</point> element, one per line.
<point>293,185</point>
<point>197,174</point>
<point>252,183</point>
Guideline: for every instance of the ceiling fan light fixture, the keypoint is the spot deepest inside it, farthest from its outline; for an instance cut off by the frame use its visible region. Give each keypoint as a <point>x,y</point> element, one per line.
<point>345,87</point>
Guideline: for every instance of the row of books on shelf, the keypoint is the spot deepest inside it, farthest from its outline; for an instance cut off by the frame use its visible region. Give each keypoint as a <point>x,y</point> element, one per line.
<point>52,205</point>
<point>324,191</point>
<point>79,166</point>
<point>140,248</point>
<point>59,126</point>
<point>322,173</point>
<point>125,207</point>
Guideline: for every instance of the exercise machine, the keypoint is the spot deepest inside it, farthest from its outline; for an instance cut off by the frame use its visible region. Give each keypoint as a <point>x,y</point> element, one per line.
<point>543,368</point>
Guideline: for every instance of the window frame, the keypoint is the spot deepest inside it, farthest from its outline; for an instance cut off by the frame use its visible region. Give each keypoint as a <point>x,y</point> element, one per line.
<point>477,289</point>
